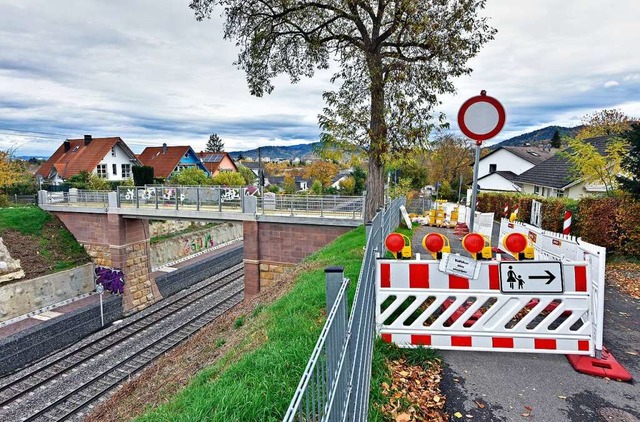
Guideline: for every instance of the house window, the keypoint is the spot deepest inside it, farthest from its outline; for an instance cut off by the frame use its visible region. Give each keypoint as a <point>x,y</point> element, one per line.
<point>536,190</point>
<point>102,170</point>
<point>560,194</point>
<point>126,171</point>
<point>493,168</point>
<point>114,167</point>
<point>113,151</point>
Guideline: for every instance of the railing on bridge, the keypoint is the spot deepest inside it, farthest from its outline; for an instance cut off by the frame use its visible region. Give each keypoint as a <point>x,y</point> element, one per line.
<point>335,383</point>
<point>215,199</point>
<point>76,197</point>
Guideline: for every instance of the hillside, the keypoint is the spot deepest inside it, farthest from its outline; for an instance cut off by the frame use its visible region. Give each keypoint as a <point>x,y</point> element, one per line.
<point>538,136</point>
<point>40,241</point>
<point>301,151</point>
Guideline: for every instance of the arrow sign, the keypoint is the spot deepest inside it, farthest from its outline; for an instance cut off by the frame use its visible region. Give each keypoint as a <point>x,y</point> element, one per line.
<point>550,276</point>
<point>523,277</point>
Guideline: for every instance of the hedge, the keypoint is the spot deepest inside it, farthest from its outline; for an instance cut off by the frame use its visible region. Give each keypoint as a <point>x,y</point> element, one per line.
<point>612,222</point>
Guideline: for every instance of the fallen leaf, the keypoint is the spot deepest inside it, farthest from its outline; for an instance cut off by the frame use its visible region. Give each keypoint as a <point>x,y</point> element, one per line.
<point>480,405</point>
<point>403,417</point>
<point>469,416</point>
<point>528,408</point>
<point>457,415</point>
<point>436,399</point>
<point>562,397</point>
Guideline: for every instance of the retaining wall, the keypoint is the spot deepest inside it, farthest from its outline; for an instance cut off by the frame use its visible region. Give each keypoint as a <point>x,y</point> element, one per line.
<point>20,297</point>
<point>168,250</point>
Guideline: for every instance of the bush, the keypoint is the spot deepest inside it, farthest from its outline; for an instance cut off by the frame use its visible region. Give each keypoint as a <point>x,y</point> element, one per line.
<point>4,201</point>
<point>142,175</point>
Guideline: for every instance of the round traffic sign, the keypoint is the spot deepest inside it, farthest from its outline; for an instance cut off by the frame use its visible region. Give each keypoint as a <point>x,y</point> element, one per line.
<point>481,117</point>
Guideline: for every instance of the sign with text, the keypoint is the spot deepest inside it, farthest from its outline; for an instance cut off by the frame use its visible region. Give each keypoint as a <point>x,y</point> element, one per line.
<point>459,265</point>
<point>531,277</point>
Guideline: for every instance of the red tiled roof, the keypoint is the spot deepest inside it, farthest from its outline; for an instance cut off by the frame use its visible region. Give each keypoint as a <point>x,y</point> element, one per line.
<point>79,156</point>
<point>163,163</point>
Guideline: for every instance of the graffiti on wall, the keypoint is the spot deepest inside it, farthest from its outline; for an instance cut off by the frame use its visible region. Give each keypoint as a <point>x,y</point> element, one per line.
<point>198,243</point>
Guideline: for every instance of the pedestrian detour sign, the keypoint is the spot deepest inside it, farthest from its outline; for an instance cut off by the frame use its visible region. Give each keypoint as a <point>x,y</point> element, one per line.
<point>531,277</point>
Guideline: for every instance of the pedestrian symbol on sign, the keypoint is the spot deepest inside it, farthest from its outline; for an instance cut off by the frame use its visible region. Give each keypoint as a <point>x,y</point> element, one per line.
<point>531,277</point>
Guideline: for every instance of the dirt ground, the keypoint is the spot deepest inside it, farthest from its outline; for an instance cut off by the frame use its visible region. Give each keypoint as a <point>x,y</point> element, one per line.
<point>44,255</point>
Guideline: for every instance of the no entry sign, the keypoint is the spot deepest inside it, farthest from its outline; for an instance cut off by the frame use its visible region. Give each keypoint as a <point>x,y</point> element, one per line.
<point>481,117</point>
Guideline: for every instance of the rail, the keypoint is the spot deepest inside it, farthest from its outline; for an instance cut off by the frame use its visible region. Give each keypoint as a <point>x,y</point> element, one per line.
<point>335,382</point>
<point>213,199</point>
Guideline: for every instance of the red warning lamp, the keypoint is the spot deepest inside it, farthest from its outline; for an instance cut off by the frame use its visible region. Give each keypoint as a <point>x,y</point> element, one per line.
<point>519,246</point>
<point>473,242</point>
<point>515,242</point>
<point>436,244</point>
<point>394,242</point>
<point>433,242</point>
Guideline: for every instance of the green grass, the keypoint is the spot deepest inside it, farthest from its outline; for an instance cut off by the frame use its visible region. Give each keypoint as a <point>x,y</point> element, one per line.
<point>26,220</point>
<point>259,386</point>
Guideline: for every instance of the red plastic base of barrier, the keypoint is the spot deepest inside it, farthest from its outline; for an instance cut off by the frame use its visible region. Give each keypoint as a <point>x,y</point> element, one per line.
<point>606,367</point>
<point>461,229</point>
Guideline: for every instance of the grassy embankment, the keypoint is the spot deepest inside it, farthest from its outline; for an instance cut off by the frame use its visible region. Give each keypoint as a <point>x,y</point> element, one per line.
<point>39,240</point>
<point>257,385</point>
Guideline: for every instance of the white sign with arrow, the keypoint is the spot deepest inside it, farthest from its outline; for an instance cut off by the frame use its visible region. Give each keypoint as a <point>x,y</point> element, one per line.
<point>531,277</point>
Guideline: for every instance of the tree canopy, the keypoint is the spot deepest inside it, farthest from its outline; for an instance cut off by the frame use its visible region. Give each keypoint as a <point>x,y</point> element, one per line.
<point>214,144</point>
<point>631,162</point>
<point>395,57</point>
<point>603,123</point>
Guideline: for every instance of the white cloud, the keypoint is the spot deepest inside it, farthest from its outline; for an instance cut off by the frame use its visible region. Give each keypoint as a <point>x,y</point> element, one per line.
<point>610,84</point>
<point>148,72</point>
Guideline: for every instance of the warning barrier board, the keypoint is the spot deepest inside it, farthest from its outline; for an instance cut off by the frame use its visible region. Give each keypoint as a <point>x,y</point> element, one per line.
<point>419,304</point>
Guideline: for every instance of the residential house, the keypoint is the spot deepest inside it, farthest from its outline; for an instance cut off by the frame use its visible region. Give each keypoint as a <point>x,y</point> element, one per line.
<point>340,177</point>
<point>166,160</point>
<point>109,158</point>
<point>553,178</point>
<point>497,171</point>
<point>302,184</point>
<point>216,162</point>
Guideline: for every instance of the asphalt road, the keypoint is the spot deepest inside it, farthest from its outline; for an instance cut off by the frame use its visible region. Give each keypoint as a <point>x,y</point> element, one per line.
<point>485,386</point>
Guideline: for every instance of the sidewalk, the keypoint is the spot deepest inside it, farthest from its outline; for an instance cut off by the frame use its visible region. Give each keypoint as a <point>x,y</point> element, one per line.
<point>485,386</point>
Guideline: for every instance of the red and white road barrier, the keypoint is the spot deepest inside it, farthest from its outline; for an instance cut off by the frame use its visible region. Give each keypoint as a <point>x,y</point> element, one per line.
<point>566,226</point>
<point>516,209</point>
<point>506,210</point>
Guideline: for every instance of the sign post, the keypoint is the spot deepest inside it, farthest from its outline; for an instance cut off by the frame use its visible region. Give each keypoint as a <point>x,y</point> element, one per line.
<point>480,118</point>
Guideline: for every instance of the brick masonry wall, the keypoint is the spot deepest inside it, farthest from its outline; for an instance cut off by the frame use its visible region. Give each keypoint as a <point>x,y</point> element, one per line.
<point>116,242</point>
<point>272,248</point>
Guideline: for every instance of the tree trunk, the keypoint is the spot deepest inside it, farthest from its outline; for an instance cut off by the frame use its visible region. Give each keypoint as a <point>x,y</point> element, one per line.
<point>378,143</point>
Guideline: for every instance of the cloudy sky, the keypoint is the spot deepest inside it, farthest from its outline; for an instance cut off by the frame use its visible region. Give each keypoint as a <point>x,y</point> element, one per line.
<point>146,71</point>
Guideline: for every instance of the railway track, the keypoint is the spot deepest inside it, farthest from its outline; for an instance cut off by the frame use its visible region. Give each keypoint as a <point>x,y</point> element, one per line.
<point>65,385</point>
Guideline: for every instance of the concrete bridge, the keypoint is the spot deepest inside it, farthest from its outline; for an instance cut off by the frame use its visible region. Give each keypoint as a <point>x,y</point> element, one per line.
<point>278,231</point>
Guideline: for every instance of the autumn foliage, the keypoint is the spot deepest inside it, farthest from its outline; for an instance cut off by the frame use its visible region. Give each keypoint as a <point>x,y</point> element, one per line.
<point>612,222</point>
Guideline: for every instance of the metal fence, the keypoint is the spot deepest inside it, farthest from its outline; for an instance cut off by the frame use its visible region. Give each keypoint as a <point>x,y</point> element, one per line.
<point>78,197</point>
<point>231,199</point>
<point>335,384</point>
<point>23,199</point>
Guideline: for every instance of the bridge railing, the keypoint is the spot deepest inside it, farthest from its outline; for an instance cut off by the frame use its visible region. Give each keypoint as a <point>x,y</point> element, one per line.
<point>77,197</point>
<point>335,383</point>
<point>213,199</point>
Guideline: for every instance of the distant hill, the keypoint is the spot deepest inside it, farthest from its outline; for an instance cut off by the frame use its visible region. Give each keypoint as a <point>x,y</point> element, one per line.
<point>538,136</point>
<point>301,151</point>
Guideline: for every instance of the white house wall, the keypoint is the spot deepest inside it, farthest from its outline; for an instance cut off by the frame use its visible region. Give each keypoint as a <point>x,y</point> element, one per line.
<point>495,182</point>
<point>121,158</point>
<point>504,161</point>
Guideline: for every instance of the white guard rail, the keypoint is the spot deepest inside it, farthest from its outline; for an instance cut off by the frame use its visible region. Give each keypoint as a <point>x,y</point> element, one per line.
<point>420,304</point>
